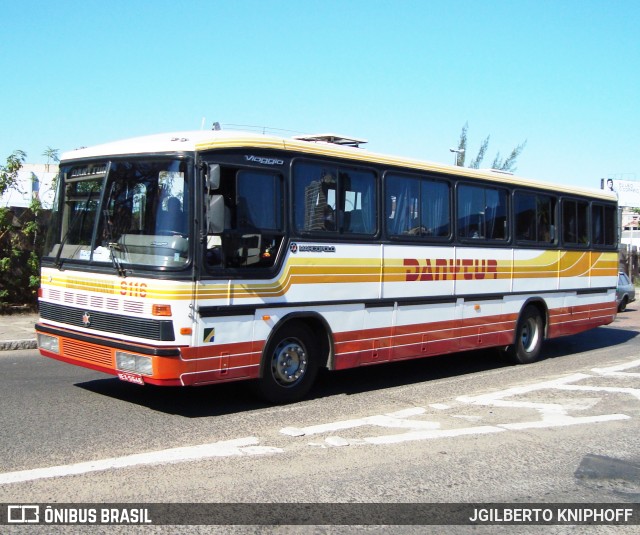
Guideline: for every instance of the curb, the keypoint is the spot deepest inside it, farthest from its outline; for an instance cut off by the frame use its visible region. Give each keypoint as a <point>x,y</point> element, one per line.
<point>7,345</point>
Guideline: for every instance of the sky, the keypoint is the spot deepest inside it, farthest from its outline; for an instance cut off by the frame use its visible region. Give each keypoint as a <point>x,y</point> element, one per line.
<point>562,75</point>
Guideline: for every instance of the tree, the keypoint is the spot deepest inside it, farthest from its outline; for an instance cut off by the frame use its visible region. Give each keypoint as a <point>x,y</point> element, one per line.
<point>21,232</point>
<point>508,164</point>
<point>52,156</point>
<point>9,172</point>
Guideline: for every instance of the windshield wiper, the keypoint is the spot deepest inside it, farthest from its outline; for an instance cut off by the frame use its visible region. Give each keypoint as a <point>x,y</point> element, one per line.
<point>113,245</point>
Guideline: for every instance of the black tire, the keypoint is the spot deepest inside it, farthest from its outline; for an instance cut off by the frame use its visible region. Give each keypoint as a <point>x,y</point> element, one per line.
<point>529,336</point>
<point>623,304</point>
<point>289,364</point>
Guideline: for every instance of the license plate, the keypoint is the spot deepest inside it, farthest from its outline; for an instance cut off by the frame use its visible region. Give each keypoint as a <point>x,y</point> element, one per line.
<point>131,378</point>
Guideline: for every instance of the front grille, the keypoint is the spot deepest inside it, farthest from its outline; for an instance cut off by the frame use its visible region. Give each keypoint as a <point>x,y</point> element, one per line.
<point>105,322</point>
<point>87,352</point>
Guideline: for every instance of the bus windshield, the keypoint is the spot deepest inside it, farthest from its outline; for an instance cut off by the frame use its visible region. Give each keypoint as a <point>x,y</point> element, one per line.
<point>121,213</point>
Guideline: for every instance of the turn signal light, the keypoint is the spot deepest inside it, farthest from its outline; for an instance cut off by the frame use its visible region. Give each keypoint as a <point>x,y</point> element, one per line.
<point>161,310</point>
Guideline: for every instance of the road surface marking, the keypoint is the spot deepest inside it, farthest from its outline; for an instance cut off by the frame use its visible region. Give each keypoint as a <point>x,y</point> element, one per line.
<point>438,433</point>
<point>393,419</point>
<point>551,414</point>
<point>635,392</point>
<point>228,448</point>
<point>618,371</point>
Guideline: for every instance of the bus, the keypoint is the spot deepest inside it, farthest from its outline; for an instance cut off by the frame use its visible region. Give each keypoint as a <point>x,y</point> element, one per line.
<point>204,257</point>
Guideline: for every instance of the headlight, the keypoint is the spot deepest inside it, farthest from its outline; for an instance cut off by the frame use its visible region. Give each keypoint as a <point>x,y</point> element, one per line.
<point>49,343</point>
<point>134,363</point>
<point>143,365</point>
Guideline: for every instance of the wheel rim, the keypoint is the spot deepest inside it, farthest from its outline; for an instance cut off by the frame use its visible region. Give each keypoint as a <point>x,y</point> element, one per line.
<point>530,334</point>
<point>289,362</point>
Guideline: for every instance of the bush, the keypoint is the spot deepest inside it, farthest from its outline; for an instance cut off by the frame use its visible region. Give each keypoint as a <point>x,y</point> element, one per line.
<point>21,239</point>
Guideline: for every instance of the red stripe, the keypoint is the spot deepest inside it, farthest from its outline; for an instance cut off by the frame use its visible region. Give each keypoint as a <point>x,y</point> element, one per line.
<point>235,361</point>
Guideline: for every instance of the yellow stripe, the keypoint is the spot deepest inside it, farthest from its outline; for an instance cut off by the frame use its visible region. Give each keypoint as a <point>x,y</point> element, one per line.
<point>304,271</point>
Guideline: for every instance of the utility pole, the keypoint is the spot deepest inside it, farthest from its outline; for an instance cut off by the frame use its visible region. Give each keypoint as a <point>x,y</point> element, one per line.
<point>457,153</point>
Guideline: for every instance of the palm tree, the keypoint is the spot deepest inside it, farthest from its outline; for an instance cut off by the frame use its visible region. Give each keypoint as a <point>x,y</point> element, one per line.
<point>508,164</point>
<point>52,156</point>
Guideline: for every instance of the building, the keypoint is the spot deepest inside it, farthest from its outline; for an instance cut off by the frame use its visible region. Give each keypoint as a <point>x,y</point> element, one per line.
<point>34,180</point>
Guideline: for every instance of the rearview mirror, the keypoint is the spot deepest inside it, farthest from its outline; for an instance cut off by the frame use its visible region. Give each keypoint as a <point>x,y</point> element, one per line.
<point>213,176</point>
<point>215,214</point>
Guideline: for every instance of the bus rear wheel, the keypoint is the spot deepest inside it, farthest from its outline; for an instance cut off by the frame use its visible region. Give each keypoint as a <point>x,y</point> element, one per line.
<point>289,365</point>
<point>529,336</point>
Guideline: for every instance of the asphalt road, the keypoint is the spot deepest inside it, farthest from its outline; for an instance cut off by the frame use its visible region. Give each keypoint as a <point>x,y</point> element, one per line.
<point>461,428</point>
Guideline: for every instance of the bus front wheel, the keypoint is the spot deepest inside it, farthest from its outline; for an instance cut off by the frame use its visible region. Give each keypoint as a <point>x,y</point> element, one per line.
<point>289,365</point>
<point>529,336</point>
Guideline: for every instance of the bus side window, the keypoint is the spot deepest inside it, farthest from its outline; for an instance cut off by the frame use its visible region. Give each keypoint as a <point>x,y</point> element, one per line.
<point>332,200</point>
<point>525,212</point>
<point>574,223</point>
<point>253,221</point>
<point>603,224</point>
<point>359,201</point>
<point>402,207</point>
<point>315,198</point>
<point>417,206</point>
<point>534,217</point>
<point>546,218</point>
<point>482,213</point>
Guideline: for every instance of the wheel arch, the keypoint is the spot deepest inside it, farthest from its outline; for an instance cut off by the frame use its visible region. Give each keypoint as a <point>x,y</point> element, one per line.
<point>319,328</point>
<point>543,309</point>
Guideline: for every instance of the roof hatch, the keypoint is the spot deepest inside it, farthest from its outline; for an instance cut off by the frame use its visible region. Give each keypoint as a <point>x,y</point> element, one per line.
<point>333,138</point>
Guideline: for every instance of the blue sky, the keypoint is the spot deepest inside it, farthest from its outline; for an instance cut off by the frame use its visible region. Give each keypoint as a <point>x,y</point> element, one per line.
<point>406,75</point>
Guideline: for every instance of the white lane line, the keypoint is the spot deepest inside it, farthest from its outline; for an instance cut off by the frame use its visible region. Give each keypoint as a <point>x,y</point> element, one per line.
<point>563,421</point>
<point>404,413</point>
<point>494,398</point>
<point>390,420</point>
<point>619,370</point>
<point>433,434</point>
<point>240,446</point>
<point>337,441</point>
<point>551,414</point>
<point>635,392</point>
<point>486,429</point>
